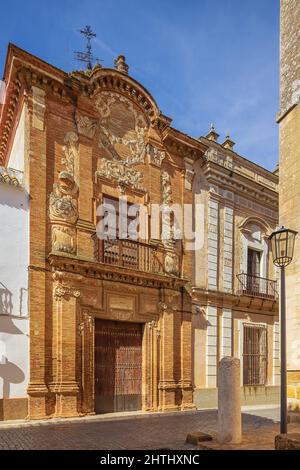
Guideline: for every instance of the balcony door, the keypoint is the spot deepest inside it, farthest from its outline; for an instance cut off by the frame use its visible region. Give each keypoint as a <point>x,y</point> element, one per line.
<point>117,247</point>
<point>253,271</point>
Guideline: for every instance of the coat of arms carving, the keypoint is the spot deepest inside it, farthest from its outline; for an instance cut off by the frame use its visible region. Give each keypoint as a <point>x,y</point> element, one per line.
<point>122,129</point>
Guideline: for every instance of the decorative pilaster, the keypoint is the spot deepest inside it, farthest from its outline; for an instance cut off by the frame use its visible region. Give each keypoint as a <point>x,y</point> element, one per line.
<point>213,224</point>
<point>87,330</point>
<point>167,385</point>
<point>65,348</point>
<point>228,249</point>
<point>211,347</point>
<point>226,332</point>
<point>151,371</point>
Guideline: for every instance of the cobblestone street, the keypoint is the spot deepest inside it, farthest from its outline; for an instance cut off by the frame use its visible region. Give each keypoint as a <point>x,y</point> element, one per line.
<point>138,431</point>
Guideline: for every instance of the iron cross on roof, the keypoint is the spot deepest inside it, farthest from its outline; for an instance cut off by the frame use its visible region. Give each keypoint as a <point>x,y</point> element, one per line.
<point>87,56</point>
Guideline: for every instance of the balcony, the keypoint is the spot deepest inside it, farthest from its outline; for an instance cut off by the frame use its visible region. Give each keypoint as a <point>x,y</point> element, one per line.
<point>255,286</point>
<point>131,254</point>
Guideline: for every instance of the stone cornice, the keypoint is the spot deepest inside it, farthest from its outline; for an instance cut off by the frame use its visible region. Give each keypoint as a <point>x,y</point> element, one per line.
<point>184,145</point>
<point>231,160</point>
<point>244,303</point>
<point>91,269</point>
<point>241,185</point>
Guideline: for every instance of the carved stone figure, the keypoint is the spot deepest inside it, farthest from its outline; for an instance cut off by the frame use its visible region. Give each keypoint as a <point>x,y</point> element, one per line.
<point>171,263</point>
<point>85,125</point>
<point>71,152</point>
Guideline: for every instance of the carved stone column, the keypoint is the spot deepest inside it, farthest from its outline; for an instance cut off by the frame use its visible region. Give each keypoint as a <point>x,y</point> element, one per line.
<point>66,344</point>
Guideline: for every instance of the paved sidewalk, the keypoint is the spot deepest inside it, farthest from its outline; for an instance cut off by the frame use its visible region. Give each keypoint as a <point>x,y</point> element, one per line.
<point>131,431</point>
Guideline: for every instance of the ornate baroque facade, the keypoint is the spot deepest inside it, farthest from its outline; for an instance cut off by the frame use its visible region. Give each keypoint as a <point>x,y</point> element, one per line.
<point>88,137</point>
<point>134,324</point>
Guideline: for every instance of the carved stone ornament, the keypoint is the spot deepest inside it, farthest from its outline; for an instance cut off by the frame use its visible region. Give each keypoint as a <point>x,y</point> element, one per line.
<point>166,188</point>
<point>172,263</point>
<point>62,204</point>
<point>85,125</point>
<point>71,152</point>
<point>122,129</point>
<point>62,290</point>
<point>63,239</point>
<point>66,292</point>
<point>155,155</point>
<point>224,160</point>
<point>125,176</point>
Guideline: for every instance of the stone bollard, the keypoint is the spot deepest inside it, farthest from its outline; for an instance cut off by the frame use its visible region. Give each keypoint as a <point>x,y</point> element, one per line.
<point>229,401</point>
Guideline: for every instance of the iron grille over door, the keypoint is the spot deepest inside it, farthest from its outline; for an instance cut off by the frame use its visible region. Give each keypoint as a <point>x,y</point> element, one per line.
<point>255,355</point>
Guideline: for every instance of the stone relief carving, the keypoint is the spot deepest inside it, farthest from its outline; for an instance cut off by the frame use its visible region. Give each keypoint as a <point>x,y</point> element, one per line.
<point>63,239</point>
<point>63,200</point>
<point>172,263</point>
<point>155,155</point>
<point>65,292</point>
<point>122,135</point>
<point>63,204</point>
<point>85,125</point>
<point>71,152</point>
<point>122,174</point>
<point>225,160</point>
<point>166,187</point>
<point>62,290</point>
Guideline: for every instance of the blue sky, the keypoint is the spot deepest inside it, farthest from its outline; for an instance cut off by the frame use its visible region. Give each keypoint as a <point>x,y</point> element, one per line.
<point>203,60</point>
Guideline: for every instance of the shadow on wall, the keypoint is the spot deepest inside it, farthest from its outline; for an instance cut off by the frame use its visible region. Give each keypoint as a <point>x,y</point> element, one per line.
<point>11,374</point>
<point>6,305</point>
<point>6,301</point>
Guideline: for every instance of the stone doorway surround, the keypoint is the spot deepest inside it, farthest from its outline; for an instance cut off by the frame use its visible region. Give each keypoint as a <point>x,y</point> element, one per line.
<point>82,292</point>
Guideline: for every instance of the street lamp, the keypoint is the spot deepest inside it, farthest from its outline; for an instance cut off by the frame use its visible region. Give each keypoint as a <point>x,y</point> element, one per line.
<point>282,242</point>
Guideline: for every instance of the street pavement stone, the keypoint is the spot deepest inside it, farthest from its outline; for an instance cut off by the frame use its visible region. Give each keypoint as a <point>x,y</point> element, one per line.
<point>143,432</point>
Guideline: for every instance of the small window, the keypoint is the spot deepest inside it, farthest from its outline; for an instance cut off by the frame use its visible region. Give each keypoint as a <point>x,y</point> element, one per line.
<point>255,355</point>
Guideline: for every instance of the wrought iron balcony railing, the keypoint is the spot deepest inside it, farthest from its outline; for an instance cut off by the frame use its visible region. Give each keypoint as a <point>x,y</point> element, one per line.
<point>256,286</point>
<point>131,254</point>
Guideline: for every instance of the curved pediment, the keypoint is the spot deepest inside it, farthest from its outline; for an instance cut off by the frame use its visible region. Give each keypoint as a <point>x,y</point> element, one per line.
<point>113,80</point>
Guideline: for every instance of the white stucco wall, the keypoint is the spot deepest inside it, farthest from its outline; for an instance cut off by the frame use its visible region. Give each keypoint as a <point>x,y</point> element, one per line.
<point>14,323</point>
<point>16,157</point>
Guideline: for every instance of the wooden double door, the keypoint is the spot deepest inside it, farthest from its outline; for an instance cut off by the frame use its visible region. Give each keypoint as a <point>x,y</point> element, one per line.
<point>118,366</point>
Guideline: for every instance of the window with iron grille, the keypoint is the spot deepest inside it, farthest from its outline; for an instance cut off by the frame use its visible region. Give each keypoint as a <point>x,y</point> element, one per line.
<point>255,354</point>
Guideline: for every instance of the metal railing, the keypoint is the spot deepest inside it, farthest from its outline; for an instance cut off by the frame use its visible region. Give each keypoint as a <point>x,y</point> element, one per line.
<point>256,286</point>
<point>130,254</point>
